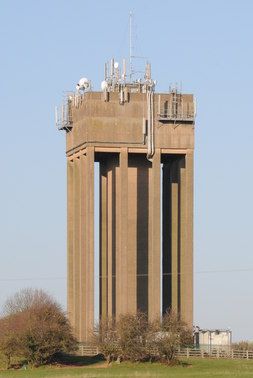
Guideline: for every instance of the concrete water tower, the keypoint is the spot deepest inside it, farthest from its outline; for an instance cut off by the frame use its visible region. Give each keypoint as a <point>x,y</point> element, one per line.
<point>143,142</point>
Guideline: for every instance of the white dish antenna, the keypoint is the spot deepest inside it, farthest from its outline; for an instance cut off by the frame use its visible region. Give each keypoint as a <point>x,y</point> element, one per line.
<point>116,65</point>
<point>83,84</point>
<point>104,85</point>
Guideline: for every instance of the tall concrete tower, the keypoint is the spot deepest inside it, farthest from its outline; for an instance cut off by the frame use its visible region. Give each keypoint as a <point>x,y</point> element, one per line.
<point>143,142</point>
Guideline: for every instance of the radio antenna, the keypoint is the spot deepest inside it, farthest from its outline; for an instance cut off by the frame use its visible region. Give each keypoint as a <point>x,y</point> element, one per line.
<point>130,45</point>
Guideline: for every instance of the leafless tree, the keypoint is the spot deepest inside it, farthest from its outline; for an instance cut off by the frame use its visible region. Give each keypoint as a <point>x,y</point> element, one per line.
<point>173,333</point>
<point>105,337</point>
<point>34,327</point>
<point>243,345</point>
<point>132,337</point>
<point>25,299</point>
<point>132,332</point>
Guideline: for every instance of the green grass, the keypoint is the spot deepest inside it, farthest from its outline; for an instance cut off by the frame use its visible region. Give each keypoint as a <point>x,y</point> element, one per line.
<point>192,369</point>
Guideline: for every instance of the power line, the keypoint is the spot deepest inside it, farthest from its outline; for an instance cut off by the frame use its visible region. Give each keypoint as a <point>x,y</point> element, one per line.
<point>33,279</point>
<point>137,275</point>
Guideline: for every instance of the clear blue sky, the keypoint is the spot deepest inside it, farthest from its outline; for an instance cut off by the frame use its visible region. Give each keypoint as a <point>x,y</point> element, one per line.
<point>46,46</point>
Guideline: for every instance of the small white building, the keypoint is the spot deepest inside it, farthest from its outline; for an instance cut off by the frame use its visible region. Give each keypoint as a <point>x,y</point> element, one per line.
<point>212,337</point>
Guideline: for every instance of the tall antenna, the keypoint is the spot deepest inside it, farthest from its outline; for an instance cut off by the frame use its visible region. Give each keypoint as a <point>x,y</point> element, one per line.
<point>130,45</point>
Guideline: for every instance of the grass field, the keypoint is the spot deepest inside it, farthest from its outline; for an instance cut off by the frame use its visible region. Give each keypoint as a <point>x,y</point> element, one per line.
<point>193,368</point>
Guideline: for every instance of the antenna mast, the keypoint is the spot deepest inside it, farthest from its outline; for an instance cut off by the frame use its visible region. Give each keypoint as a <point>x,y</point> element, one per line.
<point>130,45</point>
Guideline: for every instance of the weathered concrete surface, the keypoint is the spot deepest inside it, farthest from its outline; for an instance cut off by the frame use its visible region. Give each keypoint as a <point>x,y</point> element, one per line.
<point>133,193</point>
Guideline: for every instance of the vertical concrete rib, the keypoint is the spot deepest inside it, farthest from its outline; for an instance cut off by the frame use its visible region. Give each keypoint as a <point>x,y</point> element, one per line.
<point>141,224</point>
<point>90,239</point>
<point>166,240</point>
<point>113,232</point>
<point>76,235</point>
<point>83,265</point>
<point>132,239</point>
<point>103,242</point>
<point>110,242</point>
<point>121,263</point>
<point>154,240</point>
<point>70,242</point>
<point>182,236</point>
<point>187,258</point>
<point>186,238</point>
<point>174,236</point>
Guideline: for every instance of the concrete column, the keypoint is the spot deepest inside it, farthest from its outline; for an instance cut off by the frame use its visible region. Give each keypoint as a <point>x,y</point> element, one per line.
<point>70,243</point>
<point>83,253</point>
<point>166,216</point>
<point>90,239</point>
<point>103,242</point>
<point>141,233</point>
<point>110,273</point>
<point>76,237</point>
<point>186,238</point>
<point>174,237</point>
<point>154,239</point>
<point>132,240</point>
<point>121,253</point>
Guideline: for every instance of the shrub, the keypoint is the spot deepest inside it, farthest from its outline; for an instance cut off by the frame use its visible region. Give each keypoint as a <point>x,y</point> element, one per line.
<point>132,337</point>
<point>106,339</point>
<point>35,331</point>
<point>132,330</point>
<point>243,345</point>
<point>173,334</point>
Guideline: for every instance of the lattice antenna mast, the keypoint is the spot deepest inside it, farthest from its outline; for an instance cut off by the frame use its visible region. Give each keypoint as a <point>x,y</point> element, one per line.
<point>130,45</point>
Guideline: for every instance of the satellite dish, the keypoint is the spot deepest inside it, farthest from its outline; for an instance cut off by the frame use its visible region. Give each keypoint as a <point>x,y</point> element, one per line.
<point>104,85</point>
<point>116,65</point>
<point>83,83</point>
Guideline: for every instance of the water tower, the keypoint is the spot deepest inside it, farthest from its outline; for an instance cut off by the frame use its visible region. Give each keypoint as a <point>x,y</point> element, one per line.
<point>144,143</point>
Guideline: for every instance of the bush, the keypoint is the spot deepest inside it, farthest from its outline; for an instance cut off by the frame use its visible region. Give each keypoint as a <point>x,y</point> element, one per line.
<point>243,345</point>
<point>34,328</point>
<point>10,331</point>
<point>132,332</point>
<point>106,339</point>
<point>173,334</point>
<point>133,338</point>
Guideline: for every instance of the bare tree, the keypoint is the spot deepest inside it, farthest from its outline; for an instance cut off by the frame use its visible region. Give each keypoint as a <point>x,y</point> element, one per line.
<point>25,299</point>
<point>243,345</point>
<point>132,337</point>
<point>105,337</point>
<point>132,332</point>
<point>173,333</point>
<point>35,328</point>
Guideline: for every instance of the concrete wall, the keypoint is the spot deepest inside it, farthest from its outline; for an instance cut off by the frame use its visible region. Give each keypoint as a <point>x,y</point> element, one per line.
<point>133,190</point>
<point>109,124</point>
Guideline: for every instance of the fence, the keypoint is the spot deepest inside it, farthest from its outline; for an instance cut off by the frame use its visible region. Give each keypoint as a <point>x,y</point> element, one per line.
<point>216,352</point>
<point>87,350</point>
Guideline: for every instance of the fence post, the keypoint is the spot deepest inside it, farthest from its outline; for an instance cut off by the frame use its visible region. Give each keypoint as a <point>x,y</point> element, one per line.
<point>247,354</point>
<point>187,352</point>
<point>202,353</point>
<point>232,353</point>
<point>217,353</point>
